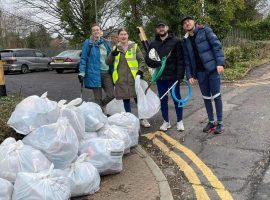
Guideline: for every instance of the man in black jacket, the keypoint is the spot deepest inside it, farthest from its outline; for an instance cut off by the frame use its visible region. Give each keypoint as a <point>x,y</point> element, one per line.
<point>167,45</point>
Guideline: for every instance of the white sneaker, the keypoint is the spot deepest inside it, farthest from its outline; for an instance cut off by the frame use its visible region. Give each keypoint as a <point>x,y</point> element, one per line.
<point>145,123</point>
<point>165,126</point>
<point>180,126</point>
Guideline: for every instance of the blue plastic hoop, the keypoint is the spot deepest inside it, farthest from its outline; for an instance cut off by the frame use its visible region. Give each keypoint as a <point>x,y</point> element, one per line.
<point>182,102</point>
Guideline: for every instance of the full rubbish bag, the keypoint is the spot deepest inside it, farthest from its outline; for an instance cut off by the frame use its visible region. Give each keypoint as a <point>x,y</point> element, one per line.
<point>17,157</point>
<point>74,115</point>
<point>85,178</point>
<point>128,122</point>
<point>51,184</point>
<point>105,154</point>
<point>6,189</point>
<point>58,141</point>
<point>149,103</point>
<point>33,112</point>
<point>114,106</point>
<point>93,115</point>
<point>116,132</point>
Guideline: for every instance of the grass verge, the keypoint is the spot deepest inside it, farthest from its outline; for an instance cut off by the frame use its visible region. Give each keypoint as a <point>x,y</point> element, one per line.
<point>7,106</point>
<point>240,69</point>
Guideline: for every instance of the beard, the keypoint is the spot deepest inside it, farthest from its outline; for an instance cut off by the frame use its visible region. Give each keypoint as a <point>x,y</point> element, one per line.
<point>191,29</point>
<point>163,34</point>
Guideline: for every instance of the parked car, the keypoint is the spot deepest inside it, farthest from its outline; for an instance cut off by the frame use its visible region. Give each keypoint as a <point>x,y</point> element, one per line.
<point>24,60</point>
<point>67,60</point>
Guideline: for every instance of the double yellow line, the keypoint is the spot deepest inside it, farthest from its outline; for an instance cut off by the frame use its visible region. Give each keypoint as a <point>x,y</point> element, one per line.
<point>191,175</point>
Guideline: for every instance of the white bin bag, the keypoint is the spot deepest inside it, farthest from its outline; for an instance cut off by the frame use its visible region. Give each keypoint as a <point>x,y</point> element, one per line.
<point>85,178</point>
<point>33,112</point>
<point>149,103</point>
<point>57,141</point>
<point>129,122</point>
<point>74,115</point>
<point>116,132</point>
<point>6,189</point>
<point>105,154</point>
<point>46,185</point>
<point>114,106</point>
<point>89,135</point>
<point>16,157</point>
<point>93,115</point>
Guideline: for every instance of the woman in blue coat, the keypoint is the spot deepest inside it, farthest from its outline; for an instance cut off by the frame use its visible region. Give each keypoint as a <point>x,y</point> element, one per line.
<point>94,72</point>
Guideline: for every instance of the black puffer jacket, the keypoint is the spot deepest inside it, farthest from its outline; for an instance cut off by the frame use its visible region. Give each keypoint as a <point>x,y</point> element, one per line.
<point>175,68</point>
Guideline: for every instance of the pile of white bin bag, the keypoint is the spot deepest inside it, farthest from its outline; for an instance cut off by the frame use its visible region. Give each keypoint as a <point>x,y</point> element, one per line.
<point>67,146</point>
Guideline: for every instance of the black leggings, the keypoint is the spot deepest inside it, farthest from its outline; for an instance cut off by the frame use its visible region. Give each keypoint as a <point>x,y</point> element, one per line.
<point>127,104</point>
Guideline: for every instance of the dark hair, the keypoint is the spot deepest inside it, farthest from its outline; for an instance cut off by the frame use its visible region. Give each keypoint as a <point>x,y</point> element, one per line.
<point>120,30</point>
<point>95,24</point>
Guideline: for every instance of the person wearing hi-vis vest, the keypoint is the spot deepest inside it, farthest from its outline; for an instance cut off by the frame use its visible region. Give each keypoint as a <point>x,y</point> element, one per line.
<point>128,61</point>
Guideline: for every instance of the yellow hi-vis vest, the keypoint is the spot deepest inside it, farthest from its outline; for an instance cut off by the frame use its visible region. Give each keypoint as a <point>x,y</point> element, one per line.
<point>131,60</point>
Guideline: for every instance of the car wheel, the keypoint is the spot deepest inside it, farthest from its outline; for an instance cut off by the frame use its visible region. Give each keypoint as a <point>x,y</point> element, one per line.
<point>6,72</point>
<point>59,71</point>
<point>50,67</point>
<point>24,69</point>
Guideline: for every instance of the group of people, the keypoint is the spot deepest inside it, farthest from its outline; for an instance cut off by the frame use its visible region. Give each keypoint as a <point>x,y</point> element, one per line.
<point>199,56</point>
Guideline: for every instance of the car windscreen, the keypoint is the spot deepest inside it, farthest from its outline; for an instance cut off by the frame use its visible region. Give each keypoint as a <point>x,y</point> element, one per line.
<point>6,54</point>
<point>69,54</point>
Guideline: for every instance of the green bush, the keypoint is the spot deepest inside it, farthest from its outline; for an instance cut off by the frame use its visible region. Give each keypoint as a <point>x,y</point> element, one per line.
<point>7,105</point>
<point>233,54</point>
<point>260,29</point>
<point>239,59</point>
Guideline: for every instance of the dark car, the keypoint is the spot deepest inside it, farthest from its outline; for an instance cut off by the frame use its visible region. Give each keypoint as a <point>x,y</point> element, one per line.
<point>24,60</point>
<point>67,60</point>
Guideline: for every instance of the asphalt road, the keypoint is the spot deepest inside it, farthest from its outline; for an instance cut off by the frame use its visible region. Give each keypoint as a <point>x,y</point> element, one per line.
<point>239,157</point>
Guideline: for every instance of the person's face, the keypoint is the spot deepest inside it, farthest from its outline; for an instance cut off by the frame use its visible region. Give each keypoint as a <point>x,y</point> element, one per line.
<point>188,24</point>
<point>96,31</point>
<point>162,30</point>
<point>123,37</point>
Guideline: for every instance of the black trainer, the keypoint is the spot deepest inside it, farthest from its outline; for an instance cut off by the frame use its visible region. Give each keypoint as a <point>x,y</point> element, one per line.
<point>210,127</point>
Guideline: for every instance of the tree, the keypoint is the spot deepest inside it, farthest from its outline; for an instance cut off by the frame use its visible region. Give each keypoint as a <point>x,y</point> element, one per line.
<point>219,14</point>
<point>250,11</point>
<point>146,13</point>
<point>72,19</point>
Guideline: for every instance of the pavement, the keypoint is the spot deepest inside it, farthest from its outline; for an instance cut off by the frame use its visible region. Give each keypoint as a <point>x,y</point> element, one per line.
<point>234,165</point>
<point>140,179</point>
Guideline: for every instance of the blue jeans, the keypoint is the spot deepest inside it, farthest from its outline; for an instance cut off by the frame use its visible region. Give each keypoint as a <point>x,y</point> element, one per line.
<point>163,86</point>
<point>209,84</point>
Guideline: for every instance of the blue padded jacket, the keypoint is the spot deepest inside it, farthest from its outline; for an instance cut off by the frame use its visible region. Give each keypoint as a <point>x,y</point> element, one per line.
<point>209,49</point>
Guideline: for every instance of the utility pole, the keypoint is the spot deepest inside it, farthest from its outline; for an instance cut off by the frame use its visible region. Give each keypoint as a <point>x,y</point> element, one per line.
<point>203,8</point>
<point>96,11</point>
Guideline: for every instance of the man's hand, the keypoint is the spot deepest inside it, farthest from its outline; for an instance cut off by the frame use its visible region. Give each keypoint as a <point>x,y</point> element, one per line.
<point>192,81</point>
<point>81,78</point>
<point>220,69</point>
<point>140,73</point>
<point>115,52</point>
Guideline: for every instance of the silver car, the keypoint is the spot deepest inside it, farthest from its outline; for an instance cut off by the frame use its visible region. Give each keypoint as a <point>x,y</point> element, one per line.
<point>67,60</point>
<point>24,60</point>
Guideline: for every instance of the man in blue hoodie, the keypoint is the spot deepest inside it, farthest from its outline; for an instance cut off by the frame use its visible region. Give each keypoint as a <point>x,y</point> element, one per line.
<point>204,59</point>
<point>94,72</point>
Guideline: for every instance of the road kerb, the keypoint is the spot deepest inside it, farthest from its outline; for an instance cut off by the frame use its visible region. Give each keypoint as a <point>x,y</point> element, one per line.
<point>164,188</point>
